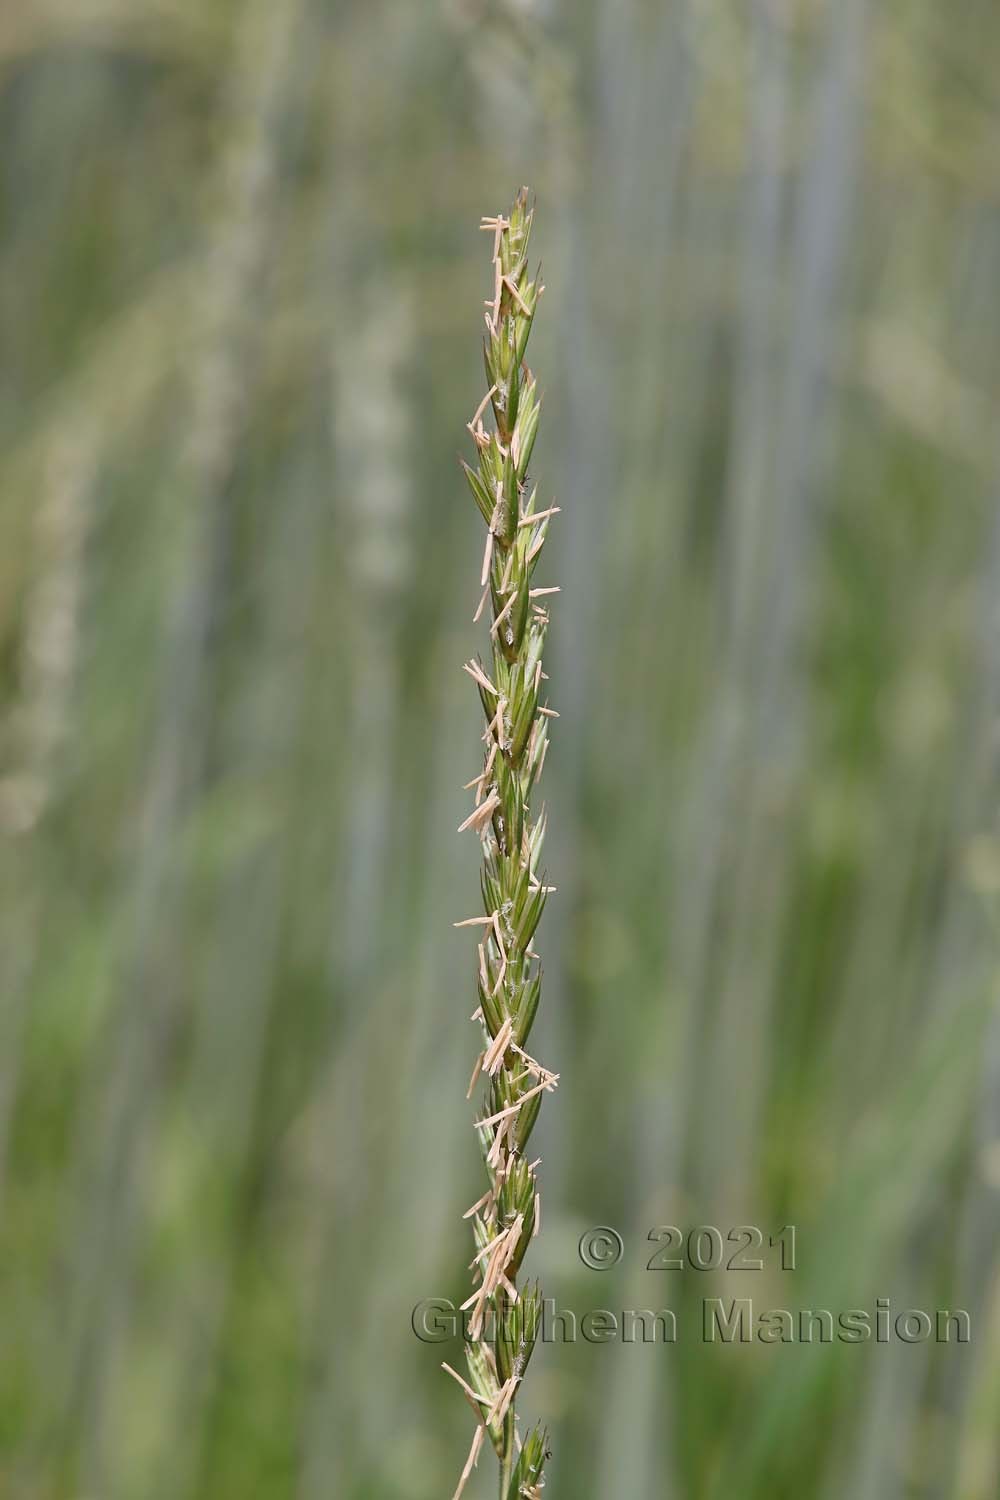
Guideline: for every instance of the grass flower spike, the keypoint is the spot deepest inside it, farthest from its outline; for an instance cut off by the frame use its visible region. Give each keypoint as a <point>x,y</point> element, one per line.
<point>504,1314</point>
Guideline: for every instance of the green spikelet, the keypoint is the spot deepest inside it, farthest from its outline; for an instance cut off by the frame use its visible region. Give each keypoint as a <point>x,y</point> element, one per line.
<point>504,1319</point>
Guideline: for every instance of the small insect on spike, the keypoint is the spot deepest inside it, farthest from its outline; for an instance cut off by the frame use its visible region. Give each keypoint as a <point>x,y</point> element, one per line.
<point>507,1215</point>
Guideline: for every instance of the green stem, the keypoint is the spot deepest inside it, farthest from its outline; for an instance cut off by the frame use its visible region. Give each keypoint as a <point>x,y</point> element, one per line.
<point>507,1462</point>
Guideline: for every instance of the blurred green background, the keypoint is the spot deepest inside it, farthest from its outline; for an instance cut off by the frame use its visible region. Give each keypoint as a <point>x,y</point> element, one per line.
<point>241,285</point>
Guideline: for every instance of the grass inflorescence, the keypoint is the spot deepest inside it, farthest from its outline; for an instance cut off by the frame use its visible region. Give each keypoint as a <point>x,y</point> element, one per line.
<point>504,1314</point>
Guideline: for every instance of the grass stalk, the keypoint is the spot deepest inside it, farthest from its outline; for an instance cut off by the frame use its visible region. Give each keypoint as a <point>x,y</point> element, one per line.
<point>503,1315</point>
